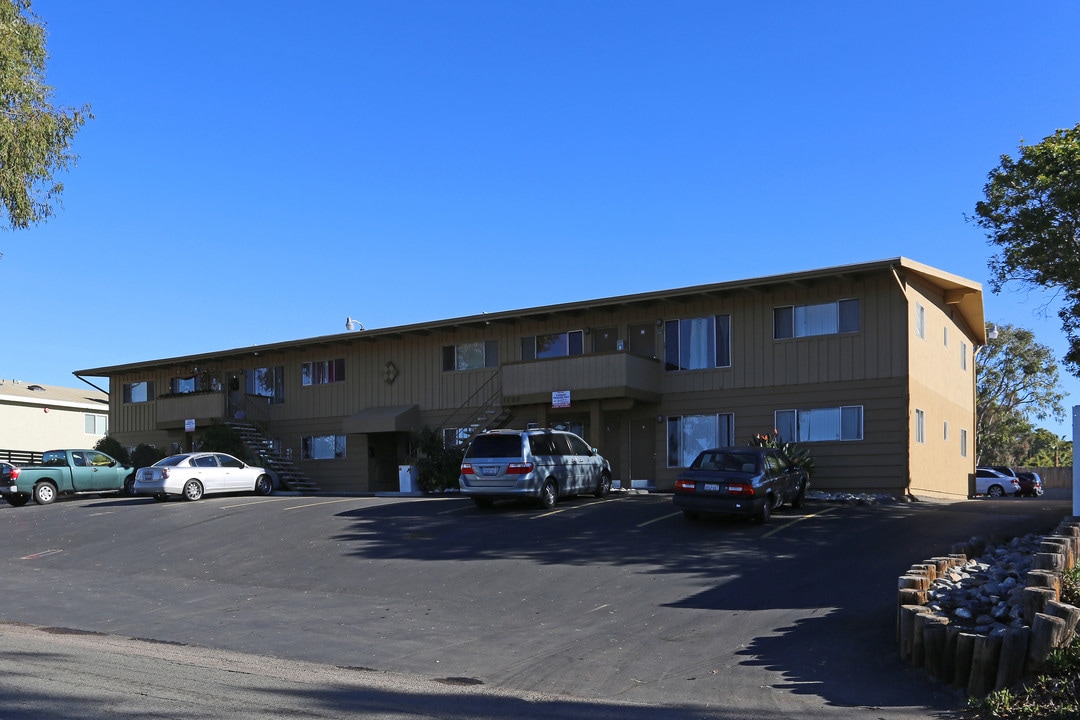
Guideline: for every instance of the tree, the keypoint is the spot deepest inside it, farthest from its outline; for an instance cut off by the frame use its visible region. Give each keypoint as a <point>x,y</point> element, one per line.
<point>35,134</point>
<point>1048,450</point>
<point>1016,380</point>
<point>1031,212</point>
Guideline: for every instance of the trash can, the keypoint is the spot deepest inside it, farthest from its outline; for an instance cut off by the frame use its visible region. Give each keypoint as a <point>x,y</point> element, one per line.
<point>407,479</point>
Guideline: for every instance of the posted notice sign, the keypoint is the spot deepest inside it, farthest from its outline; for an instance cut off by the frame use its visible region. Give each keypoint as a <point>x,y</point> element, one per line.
<point>560,399</point>
<point>189,425</point>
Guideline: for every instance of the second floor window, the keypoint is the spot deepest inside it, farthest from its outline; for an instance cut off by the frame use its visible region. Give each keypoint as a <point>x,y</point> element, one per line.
<point>323,372</point>
<point>139,392</point>
<point>794,321</point>
<point>266,382</point>
<point>96,424</point>
<point>698,343</point>
<point>553,345</point>
<point>470,356</point>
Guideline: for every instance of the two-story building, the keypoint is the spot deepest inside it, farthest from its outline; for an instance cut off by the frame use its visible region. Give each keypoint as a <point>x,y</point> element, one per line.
<point>869,365</point>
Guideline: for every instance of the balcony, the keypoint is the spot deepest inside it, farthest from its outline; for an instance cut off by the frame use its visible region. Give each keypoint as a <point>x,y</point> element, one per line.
<point>587,377</point>
<point>173,410</point>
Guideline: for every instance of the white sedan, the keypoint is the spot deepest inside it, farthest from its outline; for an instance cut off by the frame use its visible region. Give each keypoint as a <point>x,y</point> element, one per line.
<point>193,475</point>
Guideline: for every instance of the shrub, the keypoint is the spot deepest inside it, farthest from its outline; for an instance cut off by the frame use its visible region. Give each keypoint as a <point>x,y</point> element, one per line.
<point>800,457</point>
<point>146,455</point>
<point>437,466</point>
<point>112,447</point>
<point>225,439</point>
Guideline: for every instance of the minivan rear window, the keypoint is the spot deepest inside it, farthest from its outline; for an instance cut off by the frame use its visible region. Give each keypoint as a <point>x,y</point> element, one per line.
<point>489,446</point>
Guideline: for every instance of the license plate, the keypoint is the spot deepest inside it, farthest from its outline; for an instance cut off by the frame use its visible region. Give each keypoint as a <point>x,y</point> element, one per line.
<point>488,470</point>
<point>711,487</point>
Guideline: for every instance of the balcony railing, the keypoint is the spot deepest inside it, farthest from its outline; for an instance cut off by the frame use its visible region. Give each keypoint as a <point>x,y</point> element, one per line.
<point>173,410</point>
<point>598,376</point>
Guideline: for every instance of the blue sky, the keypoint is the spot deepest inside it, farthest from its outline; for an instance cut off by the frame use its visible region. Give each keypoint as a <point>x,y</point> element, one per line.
<point>259,170</point>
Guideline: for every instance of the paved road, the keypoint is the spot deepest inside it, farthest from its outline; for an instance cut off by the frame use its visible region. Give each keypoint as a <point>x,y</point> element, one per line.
<point>602,605</point>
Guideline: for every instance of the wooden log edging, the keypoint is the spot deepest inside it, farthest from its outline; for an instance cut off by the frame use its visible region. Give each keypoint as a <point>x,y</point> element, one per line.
<point>978,663</point>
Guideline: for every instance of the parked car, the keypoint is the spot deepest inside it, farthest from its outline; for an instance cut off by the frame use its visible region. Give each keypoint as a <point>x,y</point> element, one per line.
<point>541,464</point>
<point>746,481</point>
<point>994,483</point>
<point>1030,484</point>
<point>192,475</point>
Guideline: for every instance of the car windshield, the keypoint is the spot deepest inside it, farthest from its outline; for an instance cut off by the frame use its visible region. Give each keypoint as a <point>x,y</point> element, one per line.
<point>726,461</point>
<point>488,446</point>
<point>171,461</point>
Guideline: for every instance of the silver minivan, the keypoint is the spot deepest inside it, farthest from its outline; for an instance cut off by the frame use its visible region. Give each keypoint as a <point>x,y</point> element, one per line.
<point>541,464</point>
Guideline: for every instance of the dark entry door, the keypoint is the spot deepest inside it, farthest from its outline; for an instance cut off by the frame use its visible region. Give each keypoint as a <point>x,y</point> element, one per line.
<point>643,449</point>
<point>642,339</point>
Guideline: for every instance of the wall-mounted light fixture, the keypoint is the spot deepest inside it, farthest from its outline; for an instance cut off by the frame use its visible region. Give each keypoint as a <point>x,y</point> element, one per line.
<point>993,334</point>
<point>351,324</point>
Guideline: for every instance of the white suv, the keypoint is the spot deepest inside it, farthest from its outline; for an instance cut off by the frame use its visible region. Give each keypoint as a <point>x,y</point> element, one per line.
<point>541,464</point>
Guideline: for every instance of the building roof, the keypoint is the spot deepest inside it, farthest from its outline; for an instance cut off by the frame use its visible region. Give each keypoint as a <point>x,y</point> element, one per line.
<point>965,294</point>
<point>17,392</point>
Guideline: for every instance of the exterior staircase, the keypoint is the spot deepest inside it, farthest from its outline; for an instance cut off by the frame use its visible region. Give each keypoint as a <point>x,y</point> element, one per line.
<point>259,444</point>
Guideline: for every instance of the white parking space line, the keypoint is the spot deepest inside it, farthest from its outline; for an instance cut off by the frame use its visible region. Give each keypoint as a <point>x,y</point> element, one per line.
<point>255,502</point>
<point>659,519</point>
<point>791,522</point>
<point>323,502</point>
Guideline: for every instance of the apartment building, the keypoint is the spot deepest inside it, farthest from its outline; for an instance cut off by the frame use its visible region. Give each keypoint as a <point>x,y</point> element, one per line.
<point>870,365</point>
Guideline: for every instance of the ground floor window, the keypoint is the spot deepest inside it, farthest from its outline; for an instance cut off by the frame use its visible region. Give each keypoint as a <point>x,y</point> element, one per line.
<point>454,437</point>
<point>322,447</point>
<point>688,435</point>
<point>820,424</point>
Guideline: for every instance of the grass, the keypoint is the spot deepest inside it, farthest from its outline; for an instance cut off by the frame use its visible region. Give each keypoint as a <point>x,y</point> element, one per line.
<point>1054,694</point>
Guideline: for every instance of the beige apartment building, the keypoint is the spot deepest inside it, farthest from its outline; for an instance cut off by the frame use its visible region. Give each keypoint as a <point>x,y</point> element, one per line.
<point>871,366</point>
<point>36,417</point>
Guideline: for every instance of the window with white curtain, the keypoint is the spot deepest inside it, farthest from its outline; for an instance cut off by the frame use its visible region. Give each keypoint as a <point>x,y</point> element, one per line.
<point>794,321</point>
<point>688,435</point>
<point>697,343</point>
<point>820,424</point>
<point>920,321</point>
<point>920,426</point>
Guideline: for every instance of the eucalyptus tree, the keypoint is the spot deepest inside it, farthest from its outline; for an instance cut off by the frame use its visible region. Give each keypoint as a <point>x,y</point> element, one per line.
<point>1016,382</point>
<point>35,133</point>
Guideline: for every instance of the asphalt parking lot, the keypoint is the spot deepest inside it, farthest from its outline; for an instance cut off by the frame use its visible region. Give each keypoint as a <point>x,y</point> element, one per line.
<point>619,600</point>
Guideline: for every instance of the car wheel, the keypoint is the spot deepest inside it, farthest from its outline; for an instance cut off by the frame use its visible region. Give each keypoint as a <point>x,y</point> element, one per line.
<point>549,494</point>
<point>995,491</point>
<point>603,486</point>
<point>483,503</point>
<point>193,490</point>
<point>800,497</point>
<point>129,485</point>
<point>264,485</point>
<point>17,499</point>
<point>44,493</point>
<point>765,512</point>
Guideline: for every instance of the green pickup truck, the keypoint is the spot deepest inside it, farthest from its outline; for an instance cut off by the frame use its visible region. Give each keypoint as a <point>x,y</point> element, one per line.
<point>67,472</point>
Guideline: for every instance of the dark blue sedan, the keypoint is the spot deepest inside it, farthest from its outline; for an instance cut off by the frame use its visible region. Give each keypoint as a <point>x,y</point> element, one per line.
<point>741,481</point>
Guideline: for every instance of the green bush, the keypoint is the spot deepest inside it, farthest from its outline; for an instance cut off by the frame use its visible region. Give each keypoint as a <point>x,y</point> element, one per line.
<point>112,447</point>
<point>145,455</point>
<point>225,439</point>
<point>437,466</point>
<point>800,457</point>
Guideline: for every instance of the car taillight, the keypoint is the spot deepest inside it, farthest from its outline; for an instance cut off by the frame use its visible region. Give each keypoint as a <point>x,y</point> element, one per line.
<point>466,469</point>
<point>685,485</point>
<point>14,473</point>
<point>740,488</point>
<point>519,468</point>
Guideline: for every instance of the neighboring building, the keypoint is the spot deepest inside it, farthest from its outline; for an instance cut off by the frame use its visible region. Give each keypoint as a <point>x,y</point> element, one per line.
<point>870,365</point>
<point>43,417</point>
